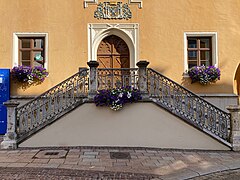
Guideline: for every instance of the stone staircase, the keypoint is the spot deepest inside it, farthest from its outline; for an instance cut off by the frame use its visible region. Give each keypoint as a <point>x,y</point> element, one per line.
<point>28,119</point>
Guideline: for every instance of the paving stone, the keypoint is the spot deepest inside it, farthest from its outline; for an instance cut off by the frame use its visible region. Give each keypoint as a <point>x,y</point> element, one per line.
<point>34,165</point>
<point>117,164</point>
<point>71,162</point>
<point>180,175</point>
<point>110,164</point>
<point>86,150</point>
<point>202,170</point>
<point>90,160</point>
<point>13,152</point>
<point>65,166</point>
<point>149,164</point>
<point>17,164</point>
<point>233,164</point>
<point>80,162</point>
<point>56,161</point>
<point>143,157</point>
<point>9,160</point>
<point>87,156</point>
<point>24,160</point>
<point>74,151</point>
<point>123,160</point>
<point>152,151</point>
<point>113,150</point>
<point>50,165</point>
<point>3,164</point>
<point>90,153</point>
<point>225,175</point>
<point>165,163</point>
<point>168,158</point>
<point>140,151</point>
<point>41,161</point>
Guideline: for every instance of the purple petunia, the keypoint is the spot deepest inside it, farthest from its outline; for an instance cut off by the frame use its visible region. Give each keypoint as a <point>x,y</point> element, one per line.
<point>204,74</point>
<point>116,98</point>
<point>26,74</point>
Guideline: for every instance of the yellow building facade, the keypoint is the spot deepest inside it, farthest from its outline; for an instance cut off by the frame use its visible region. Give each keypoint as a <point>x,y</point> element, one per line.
<point>158,31</point>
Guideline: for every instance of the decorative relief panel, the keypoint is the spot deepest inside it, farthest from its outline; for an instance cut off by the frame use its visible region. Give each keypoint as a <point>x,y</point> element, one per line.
<point>113,10</point>
<point>86,2</point>
<point>139,2</point>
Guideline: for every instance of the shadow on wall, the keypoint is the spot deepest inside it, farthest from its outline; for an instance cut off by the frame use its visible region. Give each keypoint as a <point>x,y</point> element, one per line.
<point>213,88</point>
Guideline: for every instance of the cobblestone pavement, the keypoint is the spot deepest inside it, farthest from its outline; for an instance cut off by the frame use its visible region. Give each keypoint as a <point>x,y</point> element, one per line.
<point>90,163</point>
<point>56,174</point>
<point>226,175</point>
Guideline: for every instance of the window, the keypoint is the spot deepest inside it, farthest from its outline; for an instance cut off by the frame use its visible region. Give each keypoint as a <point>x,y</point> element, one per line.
<point>200,48</point>
<point>31,51</point>
<point>199,51</point>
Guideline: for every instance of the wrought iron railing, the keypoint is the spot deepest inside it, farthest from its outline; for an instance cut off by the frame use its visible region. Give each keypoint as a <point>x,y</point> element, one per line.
<point>51,104</point>
<point>115,78</point>
<point>188,105</point>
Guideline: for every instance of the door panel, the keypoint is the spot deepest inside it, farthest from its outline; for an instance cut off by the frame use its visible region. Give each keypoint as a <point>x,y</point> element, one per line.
<point>104,62</point>
<point>113,52</point>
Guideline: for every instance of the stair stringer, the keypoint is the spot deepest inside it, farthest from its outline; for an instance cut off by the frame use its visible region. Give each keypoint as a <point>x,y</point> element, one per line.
<point>51,121</point>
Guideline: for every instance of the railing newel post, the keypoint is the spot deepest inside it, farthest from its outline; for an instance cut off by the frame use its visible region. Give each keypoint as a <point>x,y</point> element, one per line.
<point>142,78</point>
<point>10,138</point>
<point>234,137</point>
<point>93,81</point>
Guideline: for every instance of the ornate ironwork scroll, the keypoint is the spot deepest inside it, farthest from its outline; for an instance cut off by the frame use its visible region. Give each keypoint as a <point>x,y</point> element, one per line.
<point>52,104</point>
<point>113,10</point>
<point>116,78</point>
<point>188,105</point>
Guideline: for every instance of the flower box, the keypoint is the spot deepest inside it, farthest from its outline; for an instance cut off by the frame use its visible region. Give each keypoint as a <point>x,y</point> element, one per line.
<point>204,74</point>
<point>29,75</point>
<point>116,98</point>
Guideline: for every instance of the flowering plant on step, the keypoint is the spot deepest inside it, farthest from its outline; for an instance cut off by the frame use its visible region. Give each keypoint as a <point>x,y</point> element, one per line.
<point>29,75</point>
<point>116,98</point>
<point>204,74</point>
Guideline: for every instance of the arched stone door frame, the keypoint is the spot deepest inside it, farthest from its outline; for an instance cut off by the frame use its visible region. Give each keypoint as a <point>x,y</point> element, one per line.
<point>127,32</point>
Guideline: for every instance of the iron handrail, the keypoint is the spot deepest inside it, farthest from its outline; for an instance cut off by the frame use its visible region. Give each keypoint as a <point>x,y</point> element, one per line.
<point>51,104</point>
<point>188,105</point>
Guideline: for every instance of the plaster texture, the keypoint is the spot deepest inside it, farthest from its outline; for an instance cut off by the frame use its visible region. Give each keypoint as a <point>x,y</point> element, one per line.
<point>136,125</point>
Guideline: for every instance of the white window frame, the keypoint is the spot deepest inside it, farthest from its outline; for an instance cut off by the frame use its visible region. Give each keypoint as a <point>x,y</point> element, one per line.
<point>17,35</point>
<point>213,35</point>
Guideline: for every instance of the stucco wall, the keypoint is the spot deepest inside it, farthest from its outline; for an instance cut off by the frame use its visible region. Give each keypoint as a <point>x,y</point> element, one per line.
<point>137,125</point>
<point>161,31</point>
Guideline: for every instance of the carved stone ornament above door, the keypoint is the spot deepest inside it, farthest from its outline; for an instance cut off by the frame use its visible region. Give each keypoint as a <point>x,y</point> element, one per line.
<point>113,10</point>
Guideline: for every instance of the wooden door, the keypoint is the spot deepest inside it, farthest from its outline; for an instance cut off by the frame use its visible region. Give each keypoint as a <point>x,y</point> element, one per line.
<point>113,52</point>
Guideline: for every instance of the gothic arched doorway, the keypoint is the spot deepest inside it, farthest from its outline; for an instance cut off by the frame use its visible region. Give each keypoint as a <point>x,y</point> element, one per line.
<point>113,52</point>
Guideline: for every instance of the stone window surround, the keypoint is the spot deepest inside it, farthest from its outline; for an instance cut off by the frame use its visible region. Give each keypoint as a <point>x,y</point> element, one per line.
<point>16,35</point>
<point>214,37</point>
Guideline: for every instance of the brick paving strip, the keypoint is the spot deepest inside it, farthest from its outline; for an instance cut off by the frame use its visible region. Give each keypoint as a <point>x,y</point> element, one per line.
<point>44,173</point>
<point>145,163</point>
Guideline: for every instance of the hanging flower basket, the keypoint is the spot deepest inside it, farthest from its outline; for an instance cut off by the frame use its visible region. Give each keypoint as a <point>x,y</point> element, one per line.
<point>28,75</point>
<point>204,74</point>
<point>116,98</point>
